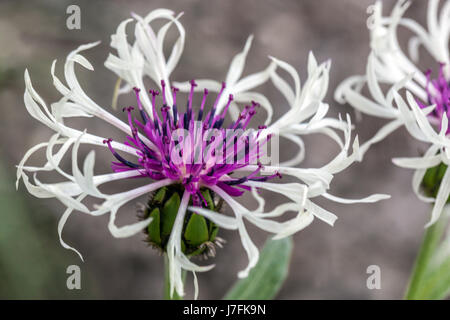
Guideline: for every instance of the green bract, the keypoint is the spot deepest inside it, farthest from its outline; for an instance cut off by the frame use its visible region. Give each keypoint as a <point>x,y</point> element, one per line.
<point>432,180</point>
<point>199,234</point>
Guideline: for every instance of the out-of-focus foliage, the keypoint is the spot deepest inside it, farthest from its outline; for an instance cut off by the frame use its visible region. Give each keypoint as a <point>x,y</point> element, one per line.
<point>32,264</point>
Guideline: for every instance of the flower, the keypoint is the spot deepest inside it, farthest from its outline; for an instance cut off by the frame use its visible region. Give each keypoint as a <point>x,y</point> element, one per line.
<point>424,112</point>
<point>165,146</point>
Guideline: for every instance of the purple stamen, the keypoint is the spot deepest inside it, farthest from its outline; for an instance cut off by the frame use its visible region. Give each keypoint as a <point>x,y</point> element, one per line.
<point>138,99</point>
<point>191,94</point>
<point>200,113</point>
<point>118,156</point>
<point>199,166</point>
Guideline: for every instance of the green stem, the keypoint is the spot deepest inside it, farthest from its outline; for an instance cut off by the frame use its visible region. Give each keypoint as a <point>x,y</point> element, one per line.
<point>167,295</point>
<point>430,241</point>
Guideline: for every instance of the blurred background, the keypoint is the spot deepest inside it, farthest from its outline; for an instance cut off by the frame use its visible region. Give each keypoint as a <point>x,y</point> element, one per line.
<point>327,263</point>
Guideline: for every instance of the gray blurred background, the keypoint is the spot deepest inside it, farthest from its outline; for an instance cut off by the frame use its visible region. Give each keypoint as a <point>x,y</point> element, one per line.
<point>327,263</point>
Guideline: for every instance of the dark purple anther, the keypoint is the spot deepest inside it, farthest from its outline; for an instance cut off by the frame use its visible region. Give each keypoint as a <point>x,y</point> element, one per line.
<point>155,144</point>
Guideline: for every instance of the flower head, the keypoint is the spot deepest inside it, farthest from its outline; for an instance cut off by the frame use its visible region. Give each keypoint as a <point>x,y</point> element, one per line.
<point>182,153</point>
<point>417,100</point>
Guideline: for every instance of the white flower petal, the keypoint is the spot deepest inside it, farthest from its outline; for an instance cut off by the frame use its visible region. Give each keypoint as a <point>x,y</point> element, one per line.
<point>238,63</point>
<point>320,213</point>
<point>62,222</point>
<point>128,230</point>
<point>370,199</point>
<point>417,163</point>
<point>220,219</point>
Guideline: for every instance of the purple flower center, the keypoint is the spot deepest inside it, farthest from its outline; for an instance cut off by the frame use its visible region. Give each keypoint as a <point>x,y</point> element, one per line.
<point>196,150</point>
<point>438,93</point>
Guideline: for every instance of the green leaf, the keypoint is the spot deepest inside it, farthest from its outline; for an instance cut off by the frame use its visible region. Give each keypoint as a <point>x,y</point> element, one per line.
<point>265,279</point>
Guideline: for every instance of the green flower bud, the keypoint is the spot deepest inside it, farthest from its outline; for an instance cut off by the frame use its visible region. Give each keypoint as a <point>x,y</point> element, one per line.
<point>199,235</point>
<point>432,180</point>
